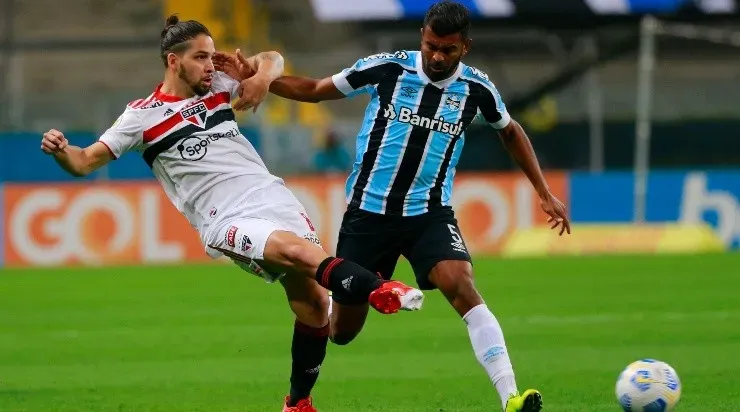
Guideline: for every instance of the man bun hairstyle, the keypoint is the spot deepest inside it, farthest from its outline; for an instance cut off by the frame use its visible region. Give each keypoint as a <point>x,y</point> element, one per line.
<point>176,35</point>
<point>448,17</point>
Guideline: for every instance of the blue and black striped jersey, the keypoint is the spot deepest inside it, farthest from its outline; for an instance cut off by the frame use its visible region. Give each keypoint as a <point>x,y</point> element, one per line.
<point>413,132</point>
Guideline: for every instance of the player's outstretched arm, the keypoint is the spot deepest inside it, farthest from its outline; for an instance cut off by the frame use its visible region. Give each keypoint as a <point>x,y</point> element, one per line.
<point>73,159</point>
<point>520,149</point>
<point>305,89</point>
<point>516,142</point>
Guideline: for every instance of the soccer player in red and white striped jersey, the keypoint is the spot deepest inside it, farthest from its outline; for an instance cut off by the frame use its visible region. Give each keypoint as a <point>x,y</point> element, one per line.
<point>186,132</point>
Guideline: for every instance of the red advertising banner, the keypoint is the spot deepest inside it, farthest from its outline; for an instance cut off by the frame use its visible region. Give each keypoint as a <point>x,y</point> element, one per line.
<point>95,224</point>
<point>135,223</point>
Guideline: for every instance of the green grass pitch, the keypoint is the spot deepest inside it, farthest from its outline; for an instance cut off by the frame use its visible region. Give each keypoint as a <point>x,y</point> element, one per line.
<point>211,338</point>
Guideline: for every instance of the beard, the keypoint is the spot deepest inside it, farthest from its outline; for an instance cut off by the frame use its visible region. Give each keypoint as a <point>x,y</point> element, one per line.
<point>198,87</point>
<point>441,75</point>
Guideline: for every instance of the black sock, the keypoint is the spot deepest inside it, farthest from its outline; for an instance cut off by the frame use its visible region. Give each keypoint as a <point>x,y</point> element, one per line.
<point>308,350</point>
<point>347,278</point>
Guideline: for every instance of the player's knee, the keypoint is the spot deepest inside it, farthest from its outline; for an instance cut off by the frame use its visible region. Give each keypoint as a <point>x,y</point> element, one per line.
<point>321,304</point>
<point>455,281</point>
<point>316,312</point>
<point>466,290</point>
<point>452,277</point>
<point>297,253</point>
<point>308,300</point>
<point>466,285</point>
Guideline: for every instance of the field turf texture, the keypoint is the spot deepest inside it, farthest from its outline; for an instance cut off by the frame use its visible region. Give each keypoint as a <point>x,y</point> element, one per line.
<point>212,338</point>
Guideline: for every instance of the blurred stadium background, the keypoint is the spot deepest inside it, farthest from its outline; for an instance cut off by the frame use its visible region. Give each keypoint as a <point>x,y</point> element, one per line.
<point>108,302</point>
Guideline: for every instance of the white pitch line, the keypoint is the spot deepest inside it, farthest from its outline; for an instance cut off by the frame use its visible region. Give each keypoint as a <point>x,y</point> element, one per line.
<point>623,317</point>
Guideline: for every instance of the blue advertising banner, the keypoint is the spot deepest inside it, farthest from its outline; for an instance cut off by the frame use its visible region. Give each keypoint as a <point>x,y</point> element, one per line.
<point>22,161</point>
<point>343,10</point>
<point>21,158</point>
<point>675,196</point>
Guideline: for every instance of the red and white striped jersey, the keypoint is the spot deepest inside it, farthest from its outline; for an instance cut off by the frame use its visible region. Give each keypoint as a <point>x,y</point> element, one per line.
<point>194,148</point>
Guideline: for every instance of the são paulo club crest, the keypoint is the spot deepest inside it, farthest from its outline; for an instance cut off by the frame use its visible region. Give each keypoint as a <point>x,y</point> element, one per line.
<point>196,114</point>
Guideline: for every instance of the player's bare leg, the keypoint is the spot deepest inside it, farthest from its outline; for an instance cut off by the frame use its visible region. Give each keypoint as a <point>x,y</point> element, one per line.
<point>310,302</point>
<point>299,256</point>
<point>455,280</point>
<point>309,271</point>
<point>346,322</point>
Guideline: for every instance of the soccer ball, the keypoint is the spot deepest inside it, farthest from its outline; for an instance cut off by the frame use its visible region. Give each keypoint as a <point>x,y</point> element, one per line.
<point>648,385</point>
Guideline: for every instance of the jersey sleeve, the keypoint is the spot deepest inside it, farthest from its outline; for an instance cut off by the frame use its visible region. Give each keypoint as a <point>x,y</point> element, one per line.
<point>125,134</point>
<point>224,83</point>
<point>491,106</point>
<point>366,73</point>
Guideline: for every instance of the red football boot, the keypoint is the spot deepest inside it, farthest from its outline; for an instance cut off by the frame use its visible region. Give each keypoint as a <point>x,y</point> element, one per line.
<point>393,296</point>
<point>304,405</point>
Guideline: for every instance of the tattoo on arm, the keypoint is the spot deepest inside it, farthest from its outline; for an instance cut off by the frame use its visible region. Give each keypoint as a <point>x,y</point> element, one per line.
<point>275,58</point>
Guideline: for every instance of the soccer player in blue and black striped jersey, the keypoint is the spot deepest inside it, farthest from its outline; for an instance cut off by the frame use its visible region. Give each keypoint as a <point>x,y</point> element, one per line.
<point>399,191</point>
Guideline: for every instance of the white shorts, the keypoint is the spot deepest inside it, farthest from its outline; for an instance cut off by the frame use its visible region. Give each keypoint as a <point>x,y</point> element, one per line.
<point>242,232</point>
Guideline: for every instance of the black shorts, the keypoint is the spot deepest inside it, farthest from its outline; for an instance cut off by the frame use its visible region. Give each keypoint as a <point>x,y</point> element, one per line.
<point>376,241</point>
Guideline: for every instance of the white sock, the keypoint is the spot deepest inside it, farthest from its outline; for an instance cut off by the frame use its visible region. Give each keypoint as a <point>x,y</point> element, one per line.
<point>490,349</point>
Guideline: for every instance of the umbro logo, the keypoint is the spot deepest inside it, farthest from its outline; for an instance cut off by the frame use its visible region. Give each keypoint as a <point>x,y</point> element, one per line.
<point>408,91</point>
<point>493,354</point>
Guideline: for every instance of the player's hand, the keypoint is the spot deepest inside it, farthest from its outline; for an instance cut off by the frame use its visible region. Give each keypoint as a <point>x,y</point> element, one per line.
<point>252,92</point>
<point>235,65</point>
<point>227,63</point>
<point>53,142</point>
<point>557,214</point>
